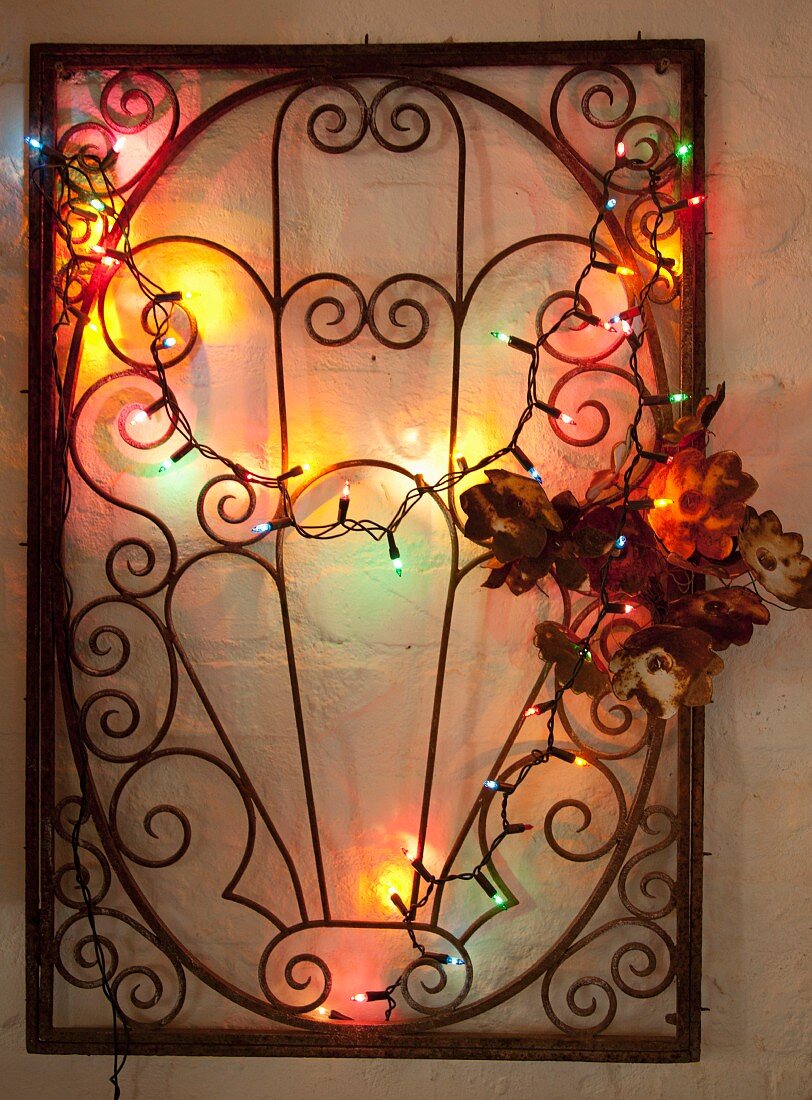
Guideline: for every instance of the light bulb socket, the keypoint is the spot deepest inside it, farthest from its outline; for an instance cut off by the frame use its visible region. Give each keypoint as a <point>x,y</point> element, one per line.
<point>517,343</point>
<point>518,827</point>
<point>587,318</point>
<point>523,460</point>
<point>613,269</point>
<point>418,866</point>
<point>182,452</point>
<point>169,296</point>
<point>654,456</point>
<point>539,708</point>
<point>82,318</point>
<point>294,471</point>
<point>486,885</point>
<point>448,960</point>
<point>272,525</point>
<point>683,204</point>
<point>562,754</point>
<point>399,904</point>
<point>498,787</point>
<point>343,508</point>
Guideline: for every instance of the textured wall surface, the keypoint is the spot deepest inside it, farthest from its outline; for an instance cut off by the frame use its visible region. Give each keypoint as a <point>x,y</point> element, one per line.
<point>756,1036</point>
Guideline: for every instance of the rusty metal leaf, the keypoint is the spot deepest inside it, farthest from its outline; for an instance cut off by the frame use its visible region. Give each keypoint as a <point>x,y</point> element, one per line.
<point>556,644</point>
<point>602,481</point>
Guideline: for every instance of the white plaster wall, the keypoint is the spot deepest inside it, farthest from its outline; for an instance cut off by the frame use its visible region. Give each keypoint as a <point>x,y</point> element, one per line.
<point>756,1041</point>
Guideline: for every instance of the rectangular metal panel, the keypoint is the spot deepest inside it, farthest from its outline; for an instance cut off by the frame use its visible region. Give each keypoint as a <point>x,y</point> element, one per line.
<point>453,70</point>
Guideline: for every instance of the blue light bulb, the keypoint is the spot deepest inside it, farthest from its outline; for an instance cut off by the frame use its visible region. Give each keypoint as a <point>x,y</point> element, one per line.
<point>33,142</point>
<point>620,541</point>
<point>262,528</point>
<point>491,784</point>
<point>610,204</point>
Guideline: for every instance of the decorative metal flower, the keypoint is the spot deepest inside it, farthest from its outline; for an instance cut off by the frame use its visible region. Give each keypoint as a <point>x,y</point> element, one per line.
<point>633,568</point>
<point>708,497</point>
<point>560,555</point>
<point>666,667</point>
<point>513,511</point>
<point>774,557</point>
<point>556,644</point>
<point>726,614</point>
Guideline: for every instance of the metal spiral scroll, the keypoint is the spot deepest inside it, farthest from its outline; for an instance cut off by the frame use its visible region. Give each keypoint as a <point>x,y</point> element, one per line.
<point>128,106</point>
<point>144,573</point>
<point>142,984</point>
<point>74,955</point>
<point>586,1010</point>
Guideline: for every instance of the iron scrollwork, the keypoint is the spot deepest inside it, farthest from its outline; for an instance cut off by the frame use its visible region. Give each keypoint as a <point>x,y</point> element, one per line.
<point>395,109</point>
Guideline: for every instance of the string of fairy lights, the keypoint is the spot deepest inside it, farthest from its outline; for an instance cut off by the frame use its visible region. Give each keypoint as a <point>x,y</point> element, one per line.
<point>80,187</point>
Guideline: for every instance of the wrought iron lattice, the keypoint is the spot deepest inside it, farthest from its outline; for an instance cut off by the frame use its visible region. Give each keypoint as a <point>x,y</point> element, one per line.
<point>128,561</point>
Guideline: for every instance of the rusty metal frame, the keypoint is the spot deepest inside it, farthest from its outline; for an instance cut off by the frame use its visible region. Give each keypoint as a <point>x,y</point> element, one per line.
<point>430,66</point>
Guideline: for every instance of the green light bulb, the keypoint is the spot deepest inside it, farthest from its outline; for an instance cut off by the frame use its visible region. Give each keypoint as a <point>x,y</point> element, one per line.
<point>398,565</point>
<point>167,465</point>
<point>97,204</point>
<point>684,150</point>
<point>676,397</point>
<point>499,900</point>
<point>503,336</point>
